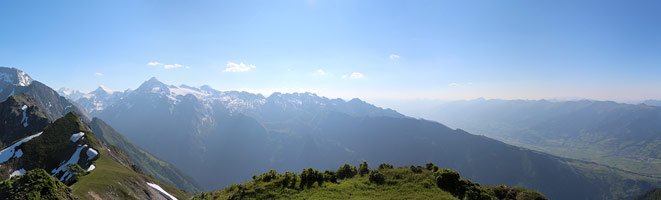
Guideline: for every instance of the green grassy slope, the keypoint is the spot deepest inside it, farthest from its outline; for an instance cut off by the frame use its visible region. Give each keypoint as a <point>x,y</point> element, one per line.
<point>112,180</point>
<point>396,183</point>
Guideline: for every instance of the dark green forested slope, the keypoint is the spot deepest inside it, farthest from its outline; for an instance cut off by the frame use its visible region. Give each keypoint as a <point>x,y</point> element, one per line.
<point>386,182</point>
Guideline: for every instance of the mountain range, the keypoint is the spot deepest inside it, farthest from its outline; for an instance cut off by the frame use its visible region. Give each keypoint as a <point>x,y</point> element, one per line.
<point>224,137</point>
<point>652,102</point>
<point>49,152</point>
<point>109,145</point>
<point>626,136</point>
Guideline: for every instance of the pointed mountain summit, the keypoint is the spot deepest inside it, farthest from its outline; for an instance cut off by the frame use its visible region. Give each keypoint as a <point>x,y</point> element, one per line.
<point>153,82</point>
<point>14,76</point>
<point>99,99</point>
<point>153,85</point>
<point>15,82</point>
<point>207,88</point>
<point>101,90</point>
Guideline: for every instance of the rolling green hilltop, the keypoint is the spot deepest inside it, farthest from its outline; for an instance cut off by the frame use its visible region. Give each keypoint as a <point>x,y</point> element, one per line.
<point>386,182</point>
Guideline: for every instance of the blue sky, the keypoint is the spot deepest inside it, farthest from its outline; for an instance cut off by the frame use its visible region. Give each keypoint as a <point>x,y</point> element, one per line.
<point>381,50</point>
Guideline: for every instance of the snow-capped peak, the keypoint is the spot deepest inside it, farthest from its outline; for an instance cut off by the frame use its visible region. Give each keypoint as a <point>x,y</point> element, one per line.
<point>102,90</point>
<point>207,88</point>
<point>184,90</point>
<point>244,102</point>
<point>70,93</point>
<point>66,91</point>
<point>152,85</point>
<point>14,76</point>
<point>153,80</point>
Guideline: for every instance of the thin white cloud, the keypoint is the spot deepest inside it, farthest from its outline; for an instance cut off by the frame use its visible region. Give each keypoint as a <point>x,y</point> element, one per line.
<point>166,66</point>
<point>238,67</point>
<point>98,74</point>
<point>453,84</point>
<point>353,75</point>
<point>394,57</point>
<point>154,63</point>
<point>172,66</point>
<point>320,72</point>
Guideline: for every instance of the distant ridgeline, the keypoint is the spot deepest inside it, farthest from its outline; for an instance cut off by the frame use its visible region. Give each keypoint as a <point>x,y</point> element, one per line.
<point>386,182</point>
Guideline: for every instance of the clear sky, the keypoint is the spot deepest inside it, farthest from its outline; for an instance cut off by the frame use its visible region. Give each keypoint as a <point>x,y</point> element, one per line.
<point>413,49</point>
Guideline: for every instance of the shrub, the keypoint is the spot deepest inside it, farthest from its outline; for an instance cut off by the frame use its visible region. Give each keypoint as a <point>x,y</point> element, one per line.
<point>448,180</point>
<point>430,166</point>
<point>76,172</point>
<point>310,176</point>
<point>363,169</point>
<point>416,169</point>
<point>288,180</point>
<point>477,194</point>
<point>377,178</point>
<point>292,179</point>
<point>330,176</point>
<point>346,171</point>
<point>506,192</point>
<point>266,177</point>
<point>383,166</point>
<point>35,184</point>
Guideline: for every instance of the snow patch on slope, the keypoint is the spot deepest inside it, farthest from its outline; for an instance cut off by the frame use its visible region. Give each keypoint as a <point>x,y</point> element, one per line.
<point>237,103</point>
<point>89,169</point>
<point>10,152</point>
<point>183,91</point>
<point>91,153</point>
<point>19,78</point>
<point>64,166</point>
<point>18,153</point>
<point>17,173</point>
<point>23,79</point>
<point>24,121</point>
<point>76,136</point>
<point>161,190</point>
